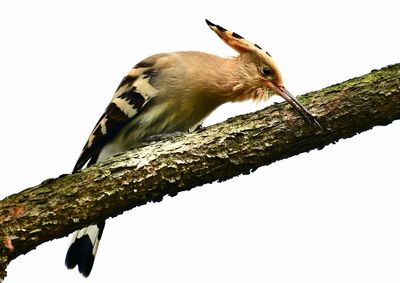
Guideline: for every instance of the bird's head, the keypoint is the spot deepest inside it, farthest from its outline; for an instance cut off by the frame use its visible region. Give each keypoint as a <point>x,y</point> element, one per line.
<point>261,77</point>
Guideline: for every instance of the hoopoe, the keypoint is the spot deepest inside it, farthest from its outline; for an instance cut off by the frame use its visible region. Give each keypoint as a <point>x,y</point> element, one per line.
<point>174,92</point>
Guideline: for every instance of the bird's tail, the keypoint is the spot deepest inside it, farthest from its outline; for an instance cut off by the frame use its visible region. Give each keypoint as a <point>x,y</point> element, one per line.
<point>83,248</point>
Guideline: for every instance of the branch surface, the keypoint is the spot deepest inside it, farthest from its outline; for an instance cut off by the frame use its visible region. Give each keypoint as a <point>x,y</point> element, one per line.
<point>240,145</point>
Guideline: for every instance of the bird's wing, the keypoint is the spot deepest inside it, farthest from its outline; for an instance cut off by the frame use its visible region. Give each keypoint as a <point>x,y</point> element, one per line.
<point>134,91</point>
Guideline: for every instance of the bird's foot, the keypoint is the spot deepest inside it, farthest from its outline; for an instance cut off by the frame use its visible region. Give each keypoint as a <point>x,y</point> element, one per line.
<point>162,136</point>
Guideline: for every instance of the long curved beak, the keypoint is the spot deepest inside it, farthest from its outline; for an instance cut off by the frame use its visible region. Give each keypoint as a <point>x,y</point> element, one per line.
<point>282,91</point>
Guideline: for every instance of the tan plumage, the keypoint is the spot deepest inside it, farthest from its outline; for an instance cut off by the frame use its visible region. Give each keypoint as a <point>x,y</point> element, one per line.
<point>172,92</point>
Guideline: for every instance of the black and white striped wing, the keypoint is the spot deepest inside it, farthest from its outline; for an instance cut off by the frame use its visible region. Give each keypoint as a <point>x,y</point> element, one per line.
<point>134,91</point>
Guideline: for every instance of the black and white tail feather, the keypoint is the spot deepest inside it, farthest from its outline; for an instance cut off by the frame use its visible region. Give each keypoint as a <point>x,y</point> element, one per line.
<point>83,248</point>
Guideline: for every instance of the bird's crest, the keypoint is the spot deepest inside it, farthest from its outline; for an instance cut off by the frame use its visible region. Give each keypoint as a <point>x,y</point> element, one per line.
<point>234,40</point>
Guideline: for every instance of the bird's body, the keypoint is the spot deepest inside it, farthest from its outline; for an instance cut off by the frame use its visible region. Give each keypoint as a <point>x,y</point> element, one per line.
<point>174,92</point>
<point>180,107</point>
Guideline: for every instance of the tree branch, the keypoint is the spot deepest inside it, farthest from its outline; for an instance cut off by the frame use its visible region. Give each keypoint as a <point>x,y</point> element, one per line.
<point>59,206</point>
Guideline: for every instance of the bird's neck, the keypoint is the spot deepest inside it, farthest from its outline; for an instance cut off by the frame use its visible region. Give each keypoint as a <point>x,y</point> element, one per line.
<point>221,76</point>
<point>216,80</point>
<point>231,81</point>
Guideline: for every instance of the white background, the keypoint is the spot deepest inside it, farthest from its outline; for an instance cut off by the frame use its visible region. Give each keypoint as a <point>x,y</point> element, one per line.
<point>323,216</point>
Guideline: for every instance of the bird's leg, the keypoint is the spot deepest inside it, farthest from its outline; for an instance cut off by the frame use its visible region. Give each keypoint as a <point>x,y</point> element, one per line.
<point>162,136</point>
<point>198,128</point>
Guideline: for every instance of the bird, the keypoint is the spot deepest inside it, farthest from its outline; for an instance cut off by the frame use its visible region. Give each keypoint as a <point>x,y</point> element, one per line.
<point>174,92</point>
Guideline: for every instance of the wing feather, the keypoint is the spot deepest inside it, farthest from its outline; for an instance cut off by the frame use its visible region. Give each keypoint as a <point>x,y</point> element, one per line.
<point>134,91</point>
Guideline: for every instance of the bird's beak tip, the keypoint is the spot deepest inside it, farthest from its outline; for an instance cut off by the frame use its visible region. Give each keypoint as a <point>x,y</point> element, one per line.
<point>291,99</point>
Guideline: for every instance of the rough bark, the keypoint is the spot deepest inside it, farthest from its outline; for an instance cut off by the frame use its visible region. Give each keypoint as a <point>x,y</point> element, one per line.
<point>59,206</point>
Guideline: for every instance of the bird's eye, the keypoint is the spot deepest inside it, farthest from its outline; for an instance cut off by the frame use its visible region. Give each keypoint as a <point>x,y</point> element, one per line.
<point>265,71</point>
